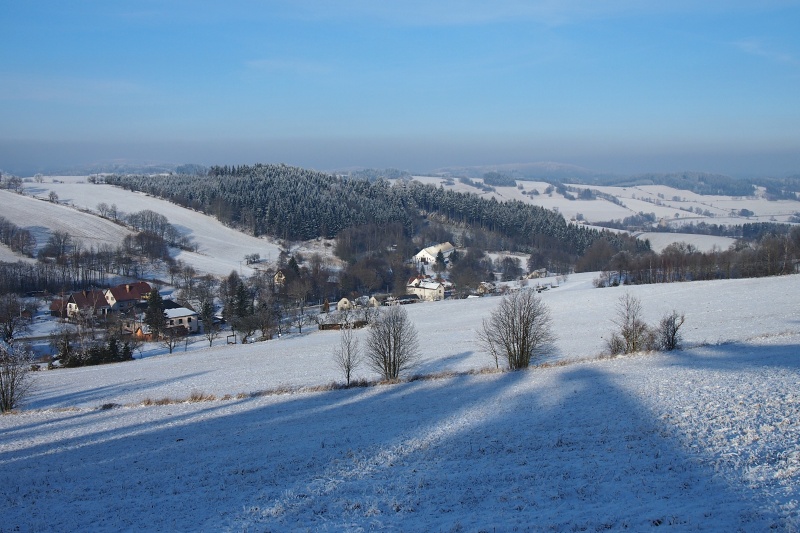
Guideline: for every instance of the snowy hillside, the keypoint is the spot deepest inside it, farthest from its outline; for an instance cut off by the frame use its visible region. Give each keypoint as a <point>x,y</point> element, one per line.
<point>675,207</point>
<point>220,249</point>
<point>43,218</point>
<point>701,439</point>
<point>704,243</point>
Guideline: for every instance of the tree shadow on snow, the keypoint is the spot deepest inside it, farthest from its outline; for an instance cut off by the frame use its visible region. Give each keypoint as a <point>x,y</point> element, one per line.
<point>735,356</point>
<point>435,365</point>
<point>42,398</point>
<point>554,448</point>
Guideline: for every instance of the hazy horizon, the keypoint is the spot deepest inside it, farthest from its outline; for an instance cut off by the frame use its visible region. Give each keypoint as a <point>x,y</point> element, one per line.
<point>620,88</point>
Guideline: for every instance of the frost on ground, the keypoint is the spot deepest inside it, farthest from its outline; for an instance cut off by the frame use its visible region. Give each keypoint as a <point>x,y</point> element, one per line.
<point>701,439</point>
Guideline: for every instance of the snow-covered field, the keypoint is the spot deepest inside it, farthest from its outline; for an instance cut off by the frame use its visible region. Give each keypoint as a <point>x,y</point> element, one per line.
<point>43,218</point>
<point>706,438</point>
<point>674,205</point>
<point>704,243</point>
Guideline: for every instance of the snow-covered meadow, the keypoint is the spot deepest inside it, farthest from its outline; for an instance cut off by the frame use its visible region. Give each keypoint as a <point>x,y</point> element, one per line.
<point>705,438</point>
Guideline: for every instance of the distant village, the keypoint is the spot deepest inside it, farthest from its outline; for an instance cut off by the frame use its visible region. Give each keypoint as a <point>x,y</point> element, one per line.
<point>127,303</point>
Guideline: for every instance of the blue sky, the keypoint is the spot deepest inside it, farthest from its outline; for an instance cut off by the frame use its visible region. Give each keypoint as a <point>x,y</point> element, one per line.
<point>617,86</point>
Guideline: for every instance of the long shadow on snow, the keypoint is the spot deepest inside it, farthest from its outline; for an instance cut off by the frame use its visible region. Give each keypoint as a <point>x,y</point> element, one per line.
<point>434,365</point>
<point>533,450</point>
<point>217,464</point>
<point>735,356</point>
<point>40,399</point>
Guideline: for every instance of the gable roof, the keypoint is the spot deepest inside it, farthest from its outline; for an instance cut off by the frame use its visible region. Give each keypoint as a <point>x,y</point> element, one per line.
<point>424,282</point>
<point>446,248</point>
<point>130,291</point>
<point>58,305</point>
<point>88,299</point>
<point>179,312</point>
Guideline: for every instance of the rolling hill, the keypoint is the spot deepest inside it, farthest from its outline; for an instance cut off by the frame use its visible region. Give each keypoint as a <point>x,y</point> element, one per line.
<point>702,439</point>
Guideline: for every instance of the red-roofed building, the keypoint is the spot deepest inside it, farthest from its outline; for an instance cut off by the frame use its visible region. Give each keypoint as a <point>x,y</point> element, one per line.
<point>59,308</point>
<point>87,303</point>
<point>125,296</point>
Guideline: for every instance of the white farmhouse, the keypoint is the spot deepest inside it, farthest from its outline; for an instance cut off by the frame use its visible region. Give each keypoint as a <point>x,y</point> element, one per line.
<point>344,305</point>
<point>182,318</point>
<point>426,289</point>
<point>428,255</point>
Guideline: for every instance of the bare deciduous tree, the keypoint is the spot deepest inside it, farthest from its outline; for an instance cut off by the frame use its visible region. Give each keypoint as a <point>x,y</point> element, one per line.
<point>669,336</point>
<point>392,345</point>
<point>170,338</point>
<point>15,382</point>
<point>633,335</point>
<point>518,330</point>
<point>347,356</point>
<point>12,322</point>
<point>211,329</point>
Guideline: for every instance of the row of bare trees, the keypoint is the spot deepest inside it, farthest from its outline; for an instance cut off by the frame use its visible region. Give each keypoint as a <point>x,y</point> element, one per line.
<point>771,255</point>
<point>517,332</point>
<point>391,346</point>
<point>633,334</point>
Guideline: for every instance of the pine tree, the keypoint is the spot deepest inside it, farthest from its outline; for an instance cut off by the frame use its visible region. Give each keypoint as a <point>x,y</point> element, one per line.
<point>440,265</point>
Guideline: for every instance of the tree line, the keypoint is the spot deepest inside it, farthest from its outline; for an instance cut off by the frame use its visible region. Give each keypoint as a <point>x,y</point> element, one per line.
<point>771,255</point>
<point>66,264</point>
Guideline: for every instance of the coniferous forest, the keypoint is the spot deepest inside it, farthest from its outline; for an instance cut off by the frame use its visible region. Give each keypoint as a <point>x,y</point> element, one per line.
<point>298,204</point>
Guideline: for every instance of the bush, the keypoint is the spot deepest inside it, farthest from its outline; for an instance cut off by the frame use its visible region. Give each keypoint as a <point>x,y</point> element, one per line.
<point>634,335</point>
<point>669,335</point>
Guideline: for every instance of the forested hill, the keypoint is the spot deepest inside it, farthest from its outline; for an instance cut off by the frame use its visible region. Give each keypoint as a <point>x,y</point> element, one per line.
<point>299,204</point>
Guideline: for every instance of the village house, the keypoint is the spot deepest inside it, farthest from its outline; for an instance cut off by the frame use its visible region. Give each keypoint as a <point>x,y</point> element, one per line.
<point>540,273</point>
<point>428,255</point>
<point>486,287</point>
<point>86,304</point>
<point>344,305</point>
<point>182,317</point>
<point>124,297</point>
<point>426,288</point>
<point>58,308</point>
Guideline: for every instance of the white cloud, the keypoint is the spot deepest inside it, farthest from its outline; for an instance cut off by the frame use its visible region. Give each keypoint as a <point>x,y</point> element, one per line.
<point>756,48</point>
